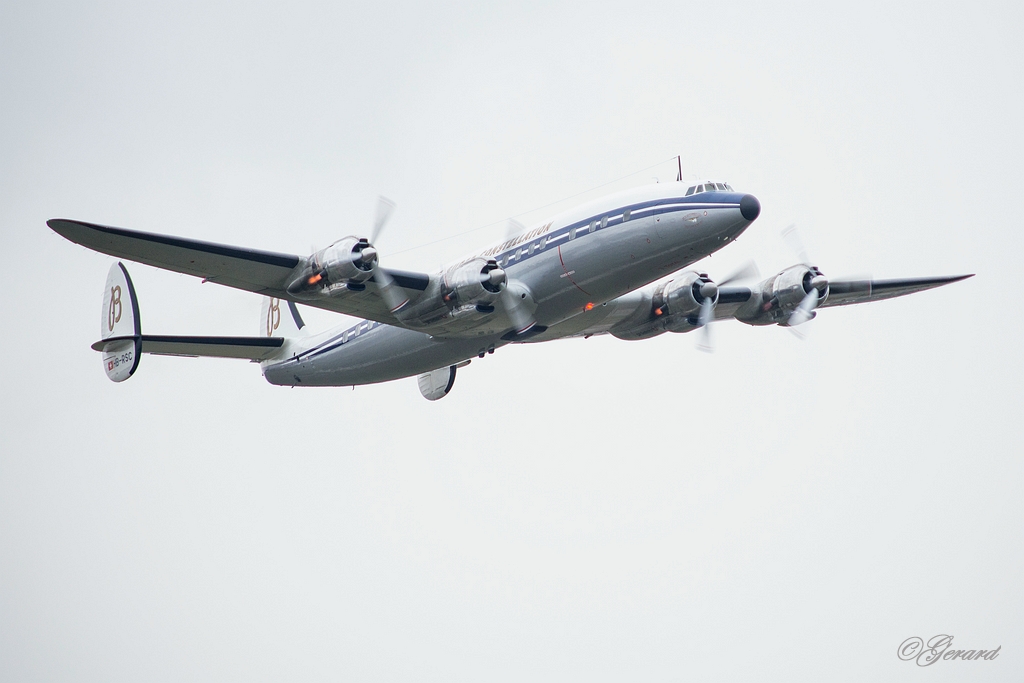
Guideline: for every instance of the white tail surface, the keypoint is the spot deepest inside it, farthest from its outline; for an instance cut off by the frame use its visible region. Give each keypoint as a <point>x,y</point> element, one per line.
<point>280,318</point>
<point>119,322</point>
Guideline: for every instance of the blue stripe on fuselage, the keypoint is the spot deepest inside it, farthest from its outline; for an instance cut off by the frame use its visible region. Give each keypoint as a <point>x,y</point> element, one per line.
<point>703,200</point>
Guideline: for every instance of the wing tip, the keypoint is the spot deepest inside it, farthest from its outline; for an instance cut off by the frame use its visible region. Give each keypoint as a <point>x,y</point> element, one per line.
<point>56,223</point>
<point>65,227</point>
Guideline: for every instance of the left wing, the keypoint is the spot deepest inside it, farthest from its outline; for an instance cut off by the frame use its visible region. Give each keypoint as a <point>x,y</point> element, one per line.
<point>252,270</point>
<point>846,292</point>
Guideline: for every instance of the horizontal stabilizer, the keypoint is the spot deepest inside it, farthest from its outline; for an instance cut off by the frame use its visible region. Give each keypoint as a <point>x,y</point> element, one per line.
<point>249,348</point>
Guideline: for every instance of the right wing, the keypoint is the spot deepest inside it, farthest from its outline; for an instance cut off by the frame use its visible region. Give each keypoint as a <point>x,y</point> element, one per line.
<point>262,272</point>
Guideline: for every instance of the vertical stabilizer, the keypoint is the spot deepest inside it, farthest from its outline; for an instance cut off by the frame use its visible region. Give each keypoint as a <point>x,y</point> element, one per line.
<point>280,318</point>
<point>119,322</point>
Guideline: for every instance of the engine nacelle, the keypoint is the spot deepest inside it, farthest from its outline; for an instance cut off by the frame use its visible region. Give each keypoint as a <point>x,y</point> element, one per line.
<point>350,259</point>
<point>348,262</point>
<point>781,294</point>
<point>674,307</point>
<point>678,301</point>
<point>476,282</point>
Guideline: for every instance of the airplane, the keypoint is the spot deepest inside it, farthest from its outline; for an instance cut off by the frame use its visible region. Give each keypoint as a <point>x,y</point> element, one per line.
<point>616,265</point>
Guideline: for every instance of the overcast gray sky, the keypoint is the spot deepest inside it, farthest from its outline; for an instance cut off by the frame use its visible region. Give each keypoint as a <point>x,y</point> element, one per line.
<point>578,510</point>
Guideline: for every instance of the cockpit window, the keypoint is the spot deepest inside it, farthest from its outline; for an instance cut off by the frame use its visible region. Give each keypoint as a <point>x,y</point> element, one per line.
<point>709,187</point>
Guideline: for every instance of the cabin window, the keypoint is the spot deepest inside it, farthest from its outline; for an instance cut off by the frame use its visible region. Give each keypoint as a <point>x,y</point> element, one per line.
<point>625,216</point>
<point>533,248</point>
<point>693,188</point>
<point>519,252</point>
<point>593,226</point>
<point>504,260</point>
<point>604,221</point>
<point>543,242</point>
<point>572,234</point>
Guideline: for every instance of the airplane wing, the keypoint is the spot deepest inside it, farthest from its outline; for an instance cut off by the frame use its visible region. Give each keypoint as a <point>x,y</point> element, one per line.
<point>251,348</point>
<point>846,292</point>
<point>262,272</point>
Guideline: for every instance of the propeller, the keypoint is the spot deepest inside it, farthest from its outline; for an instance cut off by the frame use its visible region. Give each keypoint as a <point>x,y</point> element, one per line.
<point>709,290</point>
<point>513,228</point>
<point>393,295</point>
<point>707,314</point>
<point>513,300</point>
<point>791,236</point>
<point>805,309</point>
<point>385,207</point>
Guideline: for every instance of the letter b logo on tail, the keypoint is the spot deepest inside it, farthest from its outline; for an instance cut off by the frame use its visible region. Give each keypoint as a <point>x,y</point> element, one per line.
<point>114,314</point>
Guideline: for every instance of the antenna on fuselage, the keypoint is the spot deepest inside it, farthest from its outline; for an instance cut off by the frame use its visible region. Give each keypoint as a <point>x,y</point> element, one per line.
<point>679,161</point>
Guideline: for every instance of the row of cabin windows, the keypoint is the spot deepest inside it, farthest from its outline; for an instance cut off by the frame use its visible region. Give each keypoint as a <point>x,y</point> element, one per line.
<point>709,187</point>
<point>593,225</point>
<point>537,246</point>
<point>359,329</point>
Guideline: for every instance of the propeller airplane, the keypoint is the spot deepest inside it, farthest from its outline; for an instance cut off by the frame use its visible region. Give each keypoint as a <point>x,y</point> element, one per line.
<point>617,265</point>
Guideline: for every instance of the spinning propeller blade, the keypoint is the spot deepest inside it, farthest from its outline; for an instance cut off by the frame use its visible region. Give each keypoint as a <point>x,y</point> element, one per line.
<point>710,292</point>
<point>803,312</point>
<point>393,295</point>
<point>792,237</point>
<point>385,207</point>
<point>707,314</point>
<point>513,228</point>
<point>512,298</point>
<point>747,271</point>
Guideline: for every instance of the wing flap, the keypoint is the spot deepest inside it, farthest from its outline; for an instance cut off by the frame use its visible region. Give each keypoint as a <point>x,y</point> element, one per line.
<point>249,348</point>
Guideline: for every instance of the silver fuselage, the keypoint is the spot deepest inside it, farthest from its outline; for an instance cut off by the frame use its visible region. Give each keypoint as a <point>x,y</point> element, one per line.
<point>591,256</point>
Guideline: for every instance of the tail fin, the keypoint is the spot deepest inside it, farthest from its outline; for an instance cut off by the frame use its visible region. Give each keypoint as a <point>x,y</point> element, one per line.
<point>119,322</point>
<point>280,318</point>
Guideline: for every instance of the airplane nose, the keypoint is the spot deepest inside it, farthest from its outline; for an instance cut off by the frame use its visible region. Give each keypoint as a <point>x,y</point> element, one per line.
<point>750,208</point>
